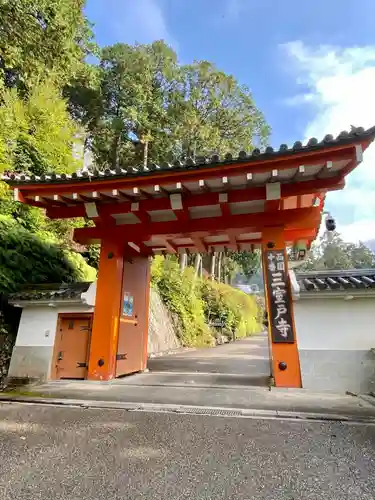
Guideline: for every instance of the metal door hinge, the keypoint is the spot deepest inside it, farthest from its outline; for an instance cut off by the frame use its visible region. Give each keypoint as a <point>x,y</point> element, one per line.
<point>81,365</point>
<point>120,357</point>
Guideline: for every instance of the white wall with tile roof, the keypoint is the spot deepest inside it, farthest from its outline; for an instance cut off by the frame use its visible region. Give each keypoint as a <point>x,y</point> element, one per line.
<point>335,338</point>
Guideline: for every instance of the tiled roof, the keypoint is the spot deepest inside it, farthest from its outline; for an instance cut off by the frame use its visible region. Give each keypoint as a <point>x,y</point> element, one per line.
<point>345,280</point>
<point>50,292</point>
<point>344,138</point>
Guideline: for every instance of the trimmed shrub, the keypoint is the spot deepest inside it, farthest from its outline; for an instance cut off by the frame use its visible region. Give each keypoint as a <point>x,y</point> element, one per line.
<point>200,303</point>
<point>181,294</point>
<point>32,258</point>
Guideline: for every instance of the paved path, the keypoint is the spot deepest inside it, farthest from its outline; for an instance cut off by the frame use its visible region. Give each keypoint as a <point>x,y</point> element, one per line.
<point>86,454</point>
<point>244,362</point>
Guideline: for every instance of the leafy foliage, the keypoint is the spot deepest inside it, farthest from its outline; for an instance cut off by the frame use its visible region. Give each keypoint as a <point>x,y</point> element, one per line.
<point>248,262</point>
<point>30,258</point>
<point>332,252</point>
<point>39,37</point>
<point>137,105</point>
<point>181,294</point>
<point>199,303</point>
<point>37,134</point>
<point>142,105</point>
<point>237,311</point>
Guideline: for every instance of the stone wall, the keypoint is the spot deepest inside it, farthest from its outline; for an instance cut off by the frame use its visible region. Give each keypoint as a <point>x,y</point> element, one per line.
<point>7,340</point>
<point>162,327</point>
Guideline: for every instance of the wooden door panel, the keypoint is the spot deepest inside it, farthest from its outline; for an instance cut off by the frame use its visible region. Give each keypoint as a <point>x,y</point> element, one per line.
<point>72,352</point>
<point>132,341</point>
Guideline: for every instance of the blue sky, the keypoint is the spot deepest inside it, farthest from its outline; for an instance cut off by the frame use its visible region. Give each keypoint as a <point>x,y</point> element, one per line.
<point>310,66</point>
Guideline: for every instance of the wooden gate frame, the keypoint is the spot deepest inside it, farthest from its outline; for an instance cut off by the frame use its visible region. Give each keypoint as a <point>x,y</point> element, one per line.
<point>60,317</point>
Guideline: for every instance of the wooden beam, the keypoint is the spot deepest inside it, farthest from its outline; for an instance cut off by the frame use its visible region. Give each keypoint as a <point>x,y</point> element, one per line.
<point>203,185</point>
<point>272,205</point>
<point>301,172</point>
<point>326,169</point>
<point>143,216</point>
<point>293,219</point>
<point>274,175</point>
<point>199,244</point>
<point>224,205</point>
<point>233,241</point>
<point>171,248</point>
<point>124,196</point>
<point>202,199</point>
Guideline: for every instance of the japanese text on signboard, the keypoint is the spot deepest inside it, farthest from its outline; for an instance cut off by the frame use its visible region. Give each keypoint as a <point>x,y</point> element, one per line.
<point>279,297</point>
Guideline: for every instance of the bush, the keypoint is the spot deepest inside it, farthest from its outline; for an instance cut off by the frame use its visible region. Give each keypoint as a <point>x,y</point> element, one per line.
<point>32,258</point>
<point>238,311</point>
<point>181,294</point>
<point>199,303</point>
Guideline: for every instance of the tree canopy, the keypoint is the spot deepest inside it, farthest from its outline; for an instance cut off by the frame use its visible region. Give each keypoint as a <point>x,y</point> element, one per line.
<point>39,37</point>
<point>135,104</point>
<point>143,106</point>
<point>332,252</point>
<point>37,134</point>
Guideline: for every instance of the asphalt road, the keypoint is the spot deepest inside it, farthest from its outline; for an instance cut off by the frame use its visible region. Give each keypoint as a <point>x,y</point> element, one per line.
<point>247,357</point>
<point>74,453</point>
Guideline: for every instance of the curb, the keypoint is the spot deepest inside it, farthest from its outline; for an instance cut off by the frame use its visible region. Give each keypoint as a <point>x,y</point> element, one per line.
<point>193,410</point>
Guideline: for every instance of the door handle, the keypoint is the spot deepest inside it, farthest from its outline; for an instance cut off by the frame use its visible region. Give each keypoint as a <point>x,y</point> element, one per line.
<point>60,356</point>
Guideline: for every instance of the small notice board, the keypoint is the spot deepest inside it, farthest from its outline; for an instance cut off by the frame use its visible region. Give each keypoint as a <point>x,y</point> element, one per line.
<point>128,305</point>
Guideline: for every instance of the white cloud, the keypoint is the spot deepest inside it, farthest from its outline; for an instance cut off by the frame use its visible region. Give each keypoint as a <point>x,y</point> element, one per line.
<point>149,17</point>
<point>132,21</point>
<point>339,84</point>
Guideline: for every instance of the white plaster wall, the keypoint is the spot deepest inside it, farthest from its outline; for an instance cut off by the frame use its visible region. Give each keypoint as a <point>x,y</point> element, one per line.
<point>335,338</point>
<point>335,324</point>
<point>34,324</point>
<point>38,324</point>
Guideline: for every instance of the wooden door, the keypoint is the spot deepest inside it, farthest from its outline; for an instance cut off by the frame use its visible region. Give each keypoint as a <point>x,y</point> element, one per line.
<point>71,353</point>
<point>133,328</point>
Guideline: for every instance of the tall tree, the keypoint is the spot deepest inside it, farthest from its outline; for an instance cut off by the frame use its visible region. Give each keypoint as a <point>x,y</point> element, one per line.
<point>148,108</point>
<point>332,252</point>
<point>211,113</point>
<point>37,134</point>
<point>129,124</point>
<point>42,36</point>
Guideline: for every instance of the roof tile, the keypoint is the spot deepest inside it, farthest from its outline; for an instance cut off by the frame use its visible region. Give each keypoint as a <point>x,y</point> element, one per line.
<point>352,279</point>
<point>311,145</point>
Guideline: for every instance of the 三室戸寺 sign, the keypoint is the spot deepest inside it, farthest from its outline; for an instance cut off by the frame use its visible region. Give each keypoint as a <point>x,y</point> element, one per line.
<point>279,297</point>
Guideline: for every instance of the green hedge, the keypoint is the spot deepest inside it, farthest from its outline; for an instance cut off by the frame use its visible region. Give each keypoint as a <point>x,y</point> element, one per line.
<point>238,311</point>
<point>181,294</point>
<point>200,302</point>
<point>33,258</point>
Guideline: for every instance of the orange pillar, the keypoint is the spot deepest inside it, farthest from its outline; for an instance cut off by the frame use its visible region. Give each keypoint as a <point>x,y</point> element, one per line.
<point>104,336</point>
<point>281,326</point>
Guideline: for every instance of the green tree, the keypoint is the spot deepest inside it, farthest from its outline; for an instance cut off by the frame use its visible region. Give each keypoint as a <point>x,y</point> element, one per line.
<point>143,106</point>
<point>212,113</point>
<point>37,135</point>
<point>39,37</point>
<point>332,252</point>
<point>131,118</point>
<point>248,262</point>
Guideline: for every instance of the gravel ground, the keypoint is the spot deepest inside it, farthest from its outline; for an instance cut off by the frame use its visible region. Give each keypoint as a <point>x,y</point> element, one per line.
<point>74,453</point>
